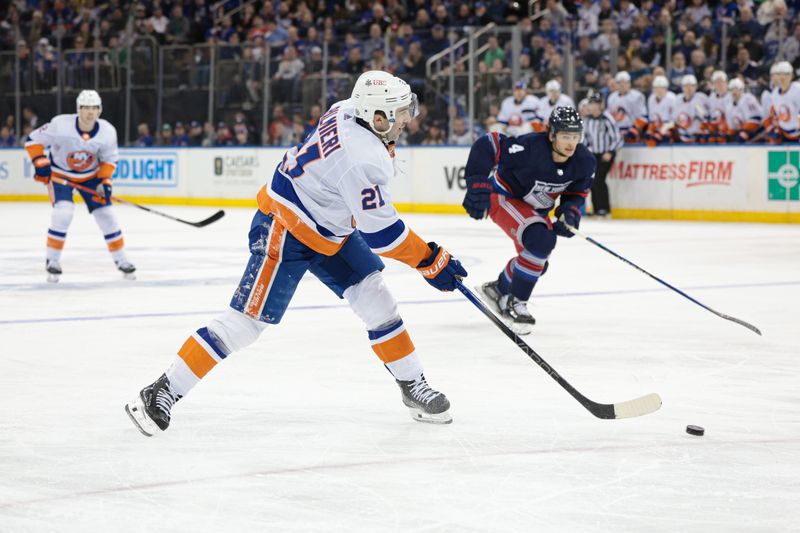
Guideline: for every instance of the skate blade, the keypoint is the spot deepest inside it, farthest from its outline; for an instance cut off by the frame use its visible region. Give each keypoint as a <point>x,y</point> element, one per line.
<point>135,411</point>
<point>129,276</point>
<point>53,278</point>
<point>421,416</point>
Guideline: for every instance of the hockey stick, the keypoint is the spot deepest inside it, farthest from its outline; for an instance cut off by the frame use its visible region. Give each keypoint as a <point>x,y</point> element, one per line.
<point>661,281</point>
<point>205,222</point>
<point>638,407</point>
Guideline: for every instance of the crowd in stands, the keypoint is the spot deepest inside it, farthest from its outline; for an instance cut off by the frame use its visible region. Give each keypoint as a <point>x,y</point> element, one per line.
<point>399,36</point>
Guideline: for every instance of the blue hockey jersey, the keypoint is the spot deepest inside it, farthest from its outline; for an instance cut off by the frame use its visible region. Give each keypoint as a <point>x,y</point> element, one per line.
<point>523,167</point>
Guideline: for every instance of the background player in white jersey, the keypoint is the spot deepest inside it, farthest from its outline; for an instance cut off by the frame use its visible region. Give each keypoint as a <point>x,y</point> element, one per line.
<point>660,112</point>
<point>308,213</point>
<point>785,100</point>
<point>628,108</point>
<point>519,111</point>
<point>743,113</point>
<point>82,149</point>
<point>552,99</point>
<point>717,103</point>
<point>766,99</point>
<point>691,112</point>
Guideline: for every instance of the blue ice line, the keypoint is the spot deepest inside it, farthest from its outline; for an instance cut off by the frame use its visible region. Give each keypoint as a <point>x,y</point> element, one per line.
<point>407,302</point>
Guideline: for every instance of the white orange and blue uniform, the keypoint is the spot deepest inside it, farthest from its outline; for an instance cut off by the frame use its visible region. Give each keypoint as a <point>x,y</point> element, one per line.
<point>527,184</point>
<point>309,209</point>
<point>630,111</point>
<point>785,114</point>
<point>85,158</point>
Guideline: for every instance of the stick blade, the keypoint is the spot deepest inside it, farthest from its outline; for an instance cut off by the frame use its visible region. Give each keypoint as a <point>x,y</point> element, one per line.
<point>210,220</point>
<point>638,407</point>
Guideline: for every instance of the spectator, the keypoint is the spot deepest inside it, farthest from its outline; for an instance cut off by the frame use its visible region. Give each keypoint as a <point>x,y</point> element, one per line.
<point>180,138</point>
<point>7,139</point>
<point>166,135</point>
<point>195,133</point>
<point>744,66</point>
<point>791,48</point>
<point>29,117</point>
<point>435,135</point>
<point>241,135</point>
<point>375,40</point>
<point>178,27</point>
<point>286,79</point>
<point>354,64</point>
<point>144,139</point>
<point>678,71</point>
<point>695,12</point>
<point>209,134</point>
<point>436,42</point>
<point>223,135</point>
<point>413,134</point>
<point>315,113</point>
<point>159,22</point>
<point>493,52</point>
<point>460,135</point>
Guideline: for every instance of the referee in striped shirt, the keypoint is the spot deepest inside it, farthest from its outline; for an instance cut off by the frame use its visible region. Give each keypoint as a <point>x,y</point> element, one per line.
<point>603,139</point>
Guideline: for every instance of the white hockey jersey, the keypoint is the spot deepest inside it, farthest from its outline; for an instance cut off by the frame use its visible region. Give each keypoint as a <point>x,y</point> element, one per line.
<point>76,155</point>
<point>766,104</point>
<point>336,181</point>
<point>691,116</point>
<point>527,110</point>
<point>786,110</point>
<point>628,109</point>
<point>744,114</point>
<point>717,104</point>
<point>660,112</point>
<point>546,106</point>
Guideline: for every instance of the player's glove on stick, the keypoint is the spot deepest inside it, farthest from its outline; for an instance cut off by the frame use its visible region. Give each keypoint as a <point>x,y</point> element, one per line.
<point>567,215</point>
<point>104,191</point>
<point>478,198</point>
<point>41,166</point>
<point>441,269</point>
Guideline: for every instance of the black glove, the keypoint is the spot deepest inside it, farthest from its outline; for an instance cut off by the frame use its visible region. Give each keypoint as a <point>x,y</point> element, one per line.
<point>568,214</point>
<point>104,191</point>
<point>441,269</point>
<point>478,198</point>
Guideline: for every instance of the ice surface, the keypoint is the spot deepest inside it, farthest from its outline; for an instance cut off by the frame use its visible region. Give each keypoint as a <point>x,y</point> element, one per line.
<point>305,431</point>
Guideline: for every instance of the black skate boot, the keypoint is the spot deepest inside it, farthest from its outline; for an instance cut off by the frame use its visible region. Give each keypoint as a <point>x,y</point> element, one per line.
<point>151,409</point>
<point>425,403</point>
<point>512,311</point>
<point>53,269</point>
<point>126,268</point>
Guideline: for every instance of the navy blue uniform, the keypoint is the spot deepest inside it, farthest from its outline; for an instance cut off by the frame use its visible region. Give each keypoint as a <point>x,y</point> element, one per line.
<point>525,184</point>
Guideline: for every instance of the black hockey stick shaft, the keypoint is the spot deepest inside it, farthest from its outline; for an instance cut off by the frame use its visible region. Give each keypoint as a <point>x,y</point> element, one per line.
<point>749,326</point>
<point>205,222</point>
<point>640,406</point>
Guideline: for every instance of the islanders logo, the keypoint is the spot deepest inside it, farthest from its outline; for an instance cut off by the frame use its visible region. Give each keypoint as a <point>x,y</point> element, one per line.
<point>684,121</point>
<point>80,160</point>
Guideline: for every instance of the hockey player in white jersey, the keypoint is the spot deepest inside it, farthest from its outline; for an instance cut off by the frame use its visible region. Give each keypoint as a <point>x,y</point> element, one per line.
<point>628,108</point>
<point>742,114</point>
<point>660,113</point>
<point>309,209</point>
<point>552,99</point>
<point>519,112</point>
<point>79,148</point>
<point>785,100</point>
<point>717,104</point>
<point>691,112</point>
<point>766,98</point>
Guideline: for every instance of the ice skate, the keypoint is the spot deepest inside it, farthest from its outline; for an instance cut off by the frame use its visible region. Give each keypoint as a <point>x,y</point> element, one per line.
<point>150,411</point>
<point>424,403</point>
<point>127,269</point>
<point>53,269</point>
<point>510,310</point>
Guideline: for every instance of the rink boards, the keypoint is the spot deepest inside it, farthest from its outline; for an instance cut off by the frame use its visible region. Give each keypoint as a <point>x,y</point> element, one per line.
<point>719,183</point>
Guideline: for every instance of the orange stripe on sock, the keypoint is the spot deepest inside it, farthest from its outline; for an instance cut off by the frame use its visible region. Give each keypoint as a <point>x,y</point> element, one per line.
<point>113,246</point>
<point>55,243</point>
<point>395,348</point>
<point>261,288</point>
<point>196,358</point>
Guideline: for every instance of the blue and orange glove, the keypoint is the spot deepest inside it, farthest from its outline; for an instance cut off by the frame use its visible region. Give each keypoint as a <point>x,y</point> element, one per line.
<point>441,269</point>
<point>41,166</point>
<point>478,199</point>
<point>104,191</point>
<point>569,214</point>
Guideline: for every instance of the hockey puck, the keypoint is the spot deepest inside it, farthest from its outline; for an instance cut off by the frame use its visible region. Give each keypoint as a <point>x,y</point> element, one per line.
<point>695,430</point>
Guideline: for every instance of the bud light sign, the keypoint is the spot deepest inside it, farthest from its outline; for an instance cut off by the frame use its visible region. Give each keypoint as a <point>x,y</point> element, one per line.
<point>147,168</point>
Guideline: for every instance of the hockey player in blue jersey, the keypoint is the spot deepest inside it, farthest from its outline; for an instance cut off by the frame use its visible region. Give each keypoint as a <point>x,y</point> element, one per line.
<point>516,181</point>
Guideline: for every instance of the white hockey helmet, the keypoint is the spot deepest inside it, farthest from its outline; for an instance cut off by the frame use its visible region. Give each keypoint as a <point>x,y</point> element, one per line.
<point>782,67</point>
<point>719,75</point>
<point>552,85</point>
<point>622,75</point>
<point>376,90</point>
<point>88,98</point>
<point>736,83</point>
<point>689,79</point>
<point>660,81</point>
